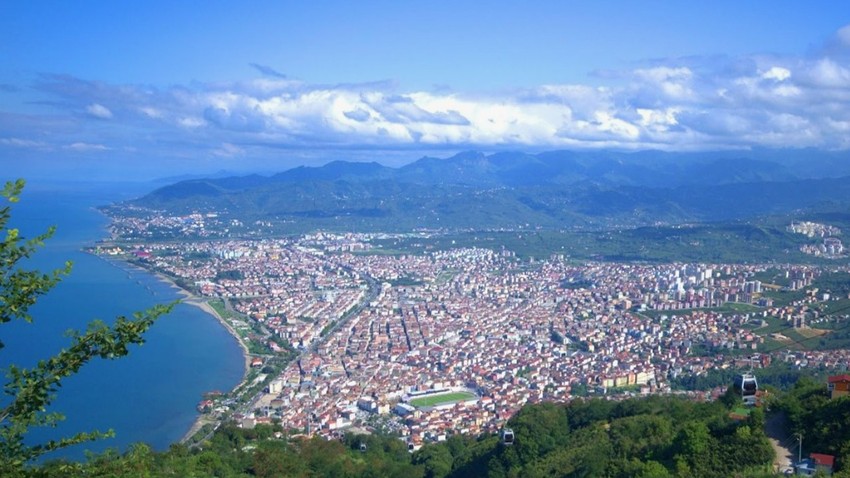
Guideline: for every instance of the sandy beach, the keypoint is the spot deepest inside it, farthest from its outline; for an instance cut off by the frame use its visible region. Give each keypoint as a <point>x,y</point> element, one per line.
<point>201,303</point>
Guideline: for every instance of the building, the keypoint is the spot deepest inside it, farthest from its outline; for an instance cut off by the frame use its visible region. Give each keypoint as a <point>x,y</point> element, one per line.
<point>403,409</point>
<point>275,386</point>
<point>817,463</point>
<point>838,385</point>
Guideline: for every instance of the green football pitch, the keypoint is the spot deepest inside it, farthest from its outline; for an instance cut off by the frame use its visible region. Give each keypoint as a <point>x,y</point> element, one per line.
<point>441,399</point>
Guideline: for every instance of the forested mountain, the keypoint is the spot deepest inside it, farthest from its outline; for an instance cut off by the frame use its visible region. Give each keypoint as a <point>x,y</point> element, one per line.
<point>553,189</point>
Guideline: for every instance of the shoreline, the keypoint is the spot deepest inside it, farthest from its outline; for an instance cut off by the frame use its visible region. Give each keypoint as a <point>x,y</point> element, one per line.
<point>196,301</point>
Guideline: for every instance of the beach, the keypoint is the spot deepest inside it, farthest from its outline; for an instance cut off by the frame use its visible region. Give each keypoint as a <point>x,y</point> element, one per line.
<point>201,303</point>
<point>191,299</point>
<point>196,301</point>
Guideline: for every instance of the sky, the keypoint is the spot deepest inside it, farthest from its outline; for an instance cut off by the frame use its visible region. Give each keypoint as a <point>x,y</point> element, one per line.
<point>119,90</point>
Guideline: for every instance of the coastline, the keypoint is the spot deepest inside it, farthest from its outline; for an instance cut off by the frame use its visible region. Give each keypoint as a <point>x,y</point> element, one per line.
<point>196,301</point>
<point>199,302</point>
<point>203,305</point>
<point>193,300</point>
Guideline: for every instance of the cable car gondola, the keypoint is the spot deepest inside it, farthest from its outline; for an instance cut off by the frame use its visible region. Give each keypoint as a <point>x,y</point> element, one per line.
<point>507,436</point>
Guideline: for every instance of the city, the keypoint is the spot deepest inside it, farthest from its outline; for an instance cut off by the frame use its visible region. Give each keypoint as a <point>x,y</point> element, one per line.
<point>425,240</point>
<point>490,332</point>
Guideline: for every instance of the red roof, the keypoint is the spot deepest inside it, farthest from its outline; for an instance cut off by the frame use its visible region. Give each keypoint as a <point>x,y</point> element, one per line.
<point>823,460</point>
<point>839,378</point>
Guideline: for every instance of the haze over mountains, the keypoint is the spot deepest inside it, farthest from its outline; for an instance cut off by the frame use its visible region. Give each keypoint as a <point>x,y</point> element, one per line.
<point>551,189</point>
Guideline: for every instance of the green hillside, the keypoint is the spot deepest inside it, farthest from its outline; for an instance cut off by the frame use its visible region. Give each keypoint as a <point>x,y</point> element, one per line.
<point>640,437</point>
<point>510,190</point>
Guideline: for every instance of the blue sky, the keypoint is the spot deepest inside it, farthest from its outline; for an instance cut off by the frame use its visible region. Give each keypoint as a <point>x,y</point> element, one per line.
<point>147,89</point>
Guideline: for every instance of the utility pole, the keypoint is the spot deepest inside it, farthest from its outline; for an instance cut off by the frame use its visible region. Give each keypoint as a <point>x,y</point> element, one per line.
<point>800,447</point>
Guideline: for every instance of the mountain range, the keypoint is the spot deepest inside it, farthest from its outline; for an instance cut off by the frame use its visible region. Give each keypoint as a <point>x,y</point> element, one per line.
<point>514,189</point>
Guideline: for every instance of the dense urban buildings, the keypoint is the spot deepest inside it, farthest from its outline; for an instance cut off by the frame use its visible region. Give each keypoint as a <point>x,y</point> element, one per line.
<point>458,340</point>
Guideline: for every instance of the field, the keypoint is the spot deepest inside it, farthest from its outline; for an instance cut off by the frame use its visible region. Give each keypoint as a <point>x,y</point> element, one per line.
<point>809,333</point>
<point>717,242</point>
<point>441,399</point>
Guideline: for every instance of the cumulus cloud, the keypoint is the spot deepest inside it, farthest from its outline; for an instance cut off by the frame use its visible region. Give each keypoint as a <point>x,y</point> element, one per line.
<point>826,72</point>
<point>98,111</point>
<point>678,104</point>
<point>235,118</point>
<point>776,73</point>
<point>657,120</point>
<point>673,83</point>
<point>357,114</point>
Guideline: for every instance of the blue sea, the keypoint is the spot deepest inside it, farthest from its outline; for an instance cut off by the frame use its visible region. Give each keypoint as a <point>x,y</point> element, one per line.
<point>148,396</point>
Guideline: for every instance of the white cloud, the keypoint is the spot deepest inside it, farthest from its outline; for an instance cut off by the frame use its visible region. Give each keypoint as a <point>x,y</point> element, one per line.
<point>657,120</point>
<point>151,112</point>
<point>664,73</point>
<point>23,143</point>
<point>98,111</point>
<point>786,91</point>
<point>190,122</point>
<point>86,147</point>
<point>608,123</point>
<point>674,83</point>
<point>777,73</point>
<point>689,104</point>
<point>227,150</point>
<point>826,72</point>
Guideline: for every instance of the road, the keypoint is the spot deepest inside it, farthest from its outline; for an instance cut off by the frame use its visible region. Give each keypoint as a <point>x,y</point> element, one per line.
<point>371,295</point>
<point>780,440</point>
<point>261,399</point>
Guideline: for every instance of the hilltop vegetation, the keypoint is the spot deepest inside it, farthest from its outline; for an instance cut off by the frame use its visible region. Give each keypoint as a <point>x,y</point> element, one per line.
<point>639,437</point>
<point>642,437</point>
<point>823,423</point>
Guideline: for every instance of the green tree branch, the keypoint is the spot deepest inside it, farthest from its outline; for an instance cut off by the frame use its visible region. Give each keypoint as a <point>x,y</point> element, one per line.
<point>29,391</point>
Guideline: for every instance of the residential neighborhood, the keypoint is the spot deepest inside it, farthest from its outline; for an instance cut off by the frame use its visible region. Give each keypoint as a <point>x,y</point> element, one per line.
<point>373,330</point>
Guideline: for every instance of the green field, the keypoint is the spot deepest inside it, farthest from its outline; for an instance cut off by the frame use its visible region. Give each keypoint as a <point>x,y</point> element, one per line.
<point>441,399</point>
<point>715,242</point>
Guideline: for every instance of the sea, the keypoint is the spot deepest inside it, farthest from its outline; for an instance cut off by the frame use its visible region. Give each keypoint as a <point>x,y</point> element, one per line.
<point>148,396</point>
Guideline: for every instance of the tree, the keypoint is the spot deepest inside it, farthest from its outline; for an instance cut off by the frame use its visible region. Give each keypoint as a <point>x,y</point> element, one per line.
<point>29,391</point>
<point>437,460</point>
<point>694,447</point>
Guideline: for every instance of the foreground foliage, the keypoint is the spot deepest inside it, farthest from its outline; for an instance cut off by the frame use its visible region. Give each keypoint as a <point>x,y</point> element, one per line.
<point>29,391</point>
<point>642,437</point>
<point>823,423</point>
